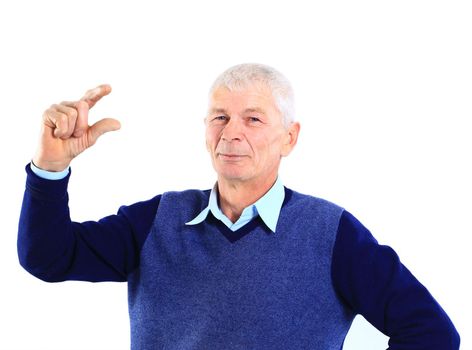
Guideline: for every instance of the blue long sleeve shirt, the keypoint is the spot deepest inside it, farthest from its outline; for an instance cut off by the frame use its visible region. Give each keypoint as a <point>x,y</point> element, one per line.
<point>368,278</point>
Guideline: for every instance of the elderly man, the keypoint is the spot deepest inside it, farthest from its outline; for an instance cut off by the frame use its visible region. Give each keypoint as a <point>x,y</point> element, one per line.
<point>250,264</point>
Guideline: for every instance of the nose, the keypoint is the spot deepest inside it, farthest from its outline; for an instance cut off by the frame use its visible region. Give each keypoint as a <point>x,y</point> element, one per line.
<point>232,131</point>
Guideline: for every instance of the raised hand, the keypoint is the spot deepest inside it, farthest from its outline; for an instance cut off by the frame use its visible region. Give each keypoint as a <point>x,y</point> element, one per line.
<point>65,132</point>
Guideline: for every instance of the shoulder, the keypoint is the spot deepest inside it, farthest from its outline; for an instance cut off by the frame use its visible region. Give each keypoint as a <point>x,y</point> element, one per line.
<point>186,195</point>
<point>173,198</point>
<point>192,200</point>
<point>308,203</point>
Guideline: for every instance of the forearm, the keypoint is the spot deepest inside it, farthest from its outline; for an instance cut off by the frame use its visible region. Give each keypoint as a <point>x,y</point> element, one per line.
<point>54,248</point>
<point>45,239</point>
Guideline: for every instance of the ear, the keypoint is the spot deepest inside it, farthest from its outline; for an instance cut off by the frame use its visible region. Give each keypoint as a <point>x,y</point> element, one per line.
<point>291,138</point>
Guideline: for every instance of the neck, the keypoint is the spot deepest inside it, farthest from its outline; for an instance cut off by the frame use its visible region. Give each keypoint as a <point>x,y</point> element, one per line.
<point>234,196</point>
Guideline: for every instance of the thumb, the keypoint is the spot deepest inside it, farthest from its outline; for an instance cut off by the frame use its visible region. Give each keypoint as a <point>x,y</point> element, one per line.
<point>101,127</point>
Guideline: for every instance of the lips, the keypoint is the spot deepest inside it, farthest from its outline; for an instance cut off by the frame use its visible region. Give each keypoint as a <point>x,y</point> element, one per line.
<point>230,156</point>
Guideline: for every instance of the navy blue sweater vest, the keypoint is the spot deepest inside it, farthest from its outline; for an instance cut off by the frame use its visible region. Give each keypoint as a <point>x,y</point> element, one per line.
<point>195,289</point>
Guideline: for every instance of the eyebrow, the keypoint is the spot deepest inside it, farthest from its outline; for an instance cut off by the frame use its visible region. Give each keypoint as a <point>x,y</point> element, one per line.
<point>218,111</point>
<point>247,110</point>
<point>255,109</point>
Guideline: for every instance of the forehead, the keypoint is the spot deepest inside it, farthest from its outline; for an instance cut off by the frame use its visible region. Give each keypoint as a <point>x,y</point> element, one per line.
<point>254,96</point>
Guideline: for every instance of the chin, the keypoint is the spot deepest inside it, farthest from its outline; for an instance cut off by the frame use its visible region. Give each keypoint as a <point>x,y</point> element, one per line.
<point>230,170</point>
<point>232,175</point>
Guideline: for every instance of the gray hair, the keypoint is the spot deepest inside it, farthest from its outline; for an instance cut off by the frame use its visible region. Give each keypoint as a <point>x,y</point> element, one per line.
<point>243,75</point>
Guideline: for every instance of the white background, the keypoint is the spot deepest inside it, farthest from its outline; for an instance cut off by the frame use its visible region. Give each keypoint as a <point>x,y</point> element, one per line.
<point>383,93</point>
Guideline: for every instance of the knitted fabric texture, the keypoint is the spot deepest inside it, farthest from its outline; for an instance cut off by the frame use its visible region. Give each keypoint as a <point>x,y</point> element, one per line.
<point>204,287</point>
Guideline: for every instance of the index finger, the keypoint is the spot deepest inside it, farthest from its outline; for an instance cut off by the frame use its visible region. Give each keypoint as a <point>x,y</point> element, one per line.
<point>92,96</point>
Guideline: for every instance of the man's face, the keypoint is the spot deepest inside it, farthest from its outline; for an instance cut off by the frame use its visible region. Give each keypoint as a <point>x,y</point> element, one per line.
<point>245,135</point>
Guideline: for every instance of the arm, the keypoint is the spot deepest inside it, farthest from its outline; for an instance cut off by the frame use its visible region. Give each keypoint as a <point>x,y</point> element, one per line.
<point>371,279</point>
<point>53,248</point>
<point>50,245</point>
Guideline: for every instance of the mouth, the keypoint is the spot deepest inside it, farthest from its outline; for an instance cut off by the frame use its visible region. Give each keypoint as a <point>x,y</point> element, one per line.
<point>231,157</point>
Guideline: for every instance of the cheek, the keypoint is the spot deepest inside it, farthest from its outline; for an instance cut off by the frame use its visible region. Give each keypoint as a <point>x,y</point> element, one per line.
<point>263,148</point>
<point>209,140</point>
<point>212,140</point>
<point>274,144</point>
<point>273,150</point>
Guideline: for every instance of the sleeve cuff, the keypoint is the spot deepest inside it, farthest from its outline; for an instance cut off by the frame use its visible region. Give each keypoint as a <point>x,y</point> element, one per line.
<point>42,188</point>
<point>50,175</point>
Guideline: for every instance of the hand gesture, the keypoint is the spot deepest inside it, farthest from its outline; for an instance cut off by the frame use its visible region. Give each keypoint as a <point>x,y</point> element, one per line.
<point>65,132</point>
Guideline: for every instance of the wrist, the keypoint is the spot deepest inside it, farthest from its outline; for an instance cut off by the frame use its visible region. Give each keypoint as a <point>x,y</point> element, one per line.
<point>49,175</point>
<point>49,166</point>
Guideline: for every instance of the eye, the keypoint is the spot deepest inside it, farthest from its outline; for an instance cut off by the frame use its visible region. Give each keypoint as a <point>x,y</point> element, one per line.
<point>254,119</point>
<point>220,118</point>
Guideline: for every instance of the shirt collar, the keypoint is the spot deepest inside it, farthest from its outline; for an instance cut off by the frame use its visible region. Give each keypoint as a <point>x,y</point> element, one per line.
<point>268,207</point>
